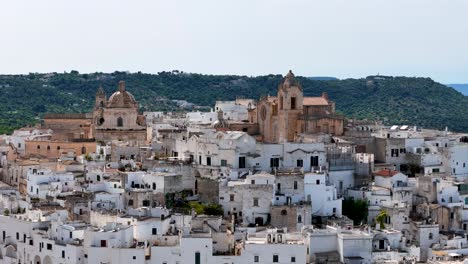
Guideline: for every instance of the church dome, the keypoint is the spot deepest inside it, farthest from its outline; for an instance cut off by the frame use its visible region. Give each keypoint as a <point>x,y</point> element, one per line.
<point>121,98</point>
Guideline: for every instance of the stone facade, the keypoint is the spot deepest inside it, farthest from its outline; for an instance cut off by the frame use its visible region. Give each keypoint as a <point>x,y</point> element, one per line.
<point>69,126</point>
<point>55,149</point>
<point>115,118</point>
<point>281,118</point>
<point>118,117</point>
<point>291,217</point>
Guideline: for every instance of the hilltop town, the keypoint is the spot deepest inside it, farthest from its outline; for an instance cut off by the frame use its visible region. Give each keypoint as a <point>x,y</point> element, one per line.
<point>283,178</point>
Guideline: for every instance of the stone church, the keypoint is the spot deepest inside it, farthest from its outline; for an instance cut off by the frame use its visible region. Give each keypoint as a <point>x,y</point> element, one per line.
<point>283,117</point>
<point>113,118</point>
<point>118,117</point>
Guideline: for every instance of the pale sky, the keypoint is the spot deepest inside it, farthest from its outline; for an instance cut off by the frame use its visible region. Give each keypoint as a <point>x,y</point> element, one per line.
<point>346,39</point>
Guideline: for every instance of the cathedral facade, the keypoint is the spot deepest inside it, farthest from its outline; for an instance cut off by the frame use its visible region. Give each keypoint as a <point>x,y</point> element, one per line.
<point>113,118</point>
<point>283,117</point>
<point>118,117</point>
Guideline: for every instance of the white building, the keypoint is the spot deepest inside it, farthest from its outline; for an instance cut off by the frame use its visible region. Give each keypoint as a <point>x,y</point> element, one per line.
<point>322,195</point>
<point>41,183</point>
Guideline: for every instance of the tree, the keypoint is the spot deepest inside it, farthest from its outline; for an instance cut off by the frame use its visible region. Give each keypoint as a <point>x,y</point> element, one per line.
<point>357,210</point>
<point>213,209</point>
<point>381,219</point>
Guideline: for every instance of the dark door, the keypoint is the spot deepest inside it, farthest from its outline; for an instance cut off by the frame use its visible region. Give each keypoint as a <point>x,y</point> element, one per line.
<point>242,162</point>
<point>381,244</point>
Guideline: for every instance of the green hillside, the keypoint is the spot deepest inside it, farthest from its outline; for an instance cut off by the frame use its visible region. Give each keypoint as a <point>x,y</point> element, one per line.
<point>396,100</point>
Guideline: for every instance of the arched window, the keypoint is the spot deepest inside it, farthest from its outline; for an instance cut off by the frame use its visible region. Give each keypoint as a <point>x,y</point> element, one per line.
<point>119,122</point>
<point>83,150</point>
<point>130,202</point>
<point>38,147</point>
<point>58,147</point>
<point>154,186</point>
<point>48,147</point>
<point>299,218</point>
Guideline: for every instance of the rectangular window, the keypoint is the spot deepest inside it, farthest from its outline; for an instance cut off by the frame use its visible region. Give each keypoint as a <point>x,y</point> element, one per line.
<point>314,161</point>
<point>293,103</point>
<point>208,161</point>
<point>199,159</point>
<point>274,162</point>
<point>293,259</point>
<point>223,163</point>
<point>154,231</point>
<point>231,197</point>
<point>63,254</point>
<point>275,258</point>
<point>256,259</point>
<point>252,182</point>
<point>255,201</point>
<point>295,185</point>
<point>299,163</point>
<point>49,246</point>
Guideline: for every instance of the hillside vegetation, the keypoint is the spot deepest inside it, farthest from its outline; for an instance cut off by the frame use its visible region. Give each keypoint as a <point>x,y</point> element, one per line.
<point>396,100</point>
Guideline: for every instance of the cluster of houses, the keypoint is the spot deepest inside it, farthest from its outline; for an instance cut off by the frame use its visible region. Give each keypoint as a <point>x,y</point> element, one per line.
<point>284,179</point>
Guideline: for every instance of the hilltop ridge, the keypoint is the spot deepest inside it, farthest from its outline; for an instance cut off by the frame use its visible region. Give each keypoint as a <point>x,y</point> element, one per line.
<point>395,100</point>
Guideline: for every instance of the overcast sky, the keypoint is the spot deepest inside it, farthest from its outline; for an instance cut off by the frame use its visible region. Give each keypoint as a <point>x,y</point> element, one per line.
<point>313,38</point>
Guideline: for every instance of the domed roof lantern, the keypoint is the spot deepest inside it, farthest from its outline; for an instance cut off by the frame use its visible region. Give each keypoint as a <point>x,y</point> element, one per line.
<point>122,86</point>
<point>122,98</point>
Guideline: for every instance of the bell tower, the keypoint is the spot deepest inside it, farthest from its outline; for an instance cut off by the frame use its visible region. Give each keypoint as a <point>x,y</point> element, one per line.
<point>100,98</point>
<point>290,100</point>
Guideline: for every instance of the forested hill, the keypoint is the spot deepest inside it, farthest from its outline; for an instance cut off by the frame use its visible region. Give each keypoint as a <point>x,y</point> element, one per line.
<point>396,100</point>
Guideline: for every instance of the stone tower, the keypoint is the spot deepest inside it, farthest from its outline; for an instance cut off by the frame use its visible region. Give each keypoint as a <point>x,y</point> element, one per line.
<point>290,100</point>
<point>100,98</point>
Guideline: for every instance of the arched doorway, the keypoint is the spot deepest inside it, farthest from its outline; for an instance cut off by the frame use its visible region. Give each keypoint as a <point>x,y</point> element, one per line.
<point>37,260</point>
<point>10,251</point>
